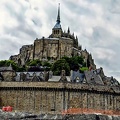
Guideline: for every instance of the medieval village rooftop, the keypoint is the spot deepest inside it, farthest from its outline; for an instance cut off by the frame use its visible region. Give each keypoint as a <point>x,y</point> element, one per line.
<point>59,44</point>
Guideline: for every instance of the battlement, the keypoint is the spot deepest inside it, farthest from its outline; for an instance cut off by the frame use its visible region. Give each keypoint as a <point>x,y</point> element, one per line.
<point>62,85</point>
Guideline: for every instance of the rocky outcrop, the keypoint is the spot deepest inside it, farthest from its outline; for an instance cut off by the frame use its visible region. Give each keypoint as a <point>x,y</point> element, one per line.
<point>91,117</point>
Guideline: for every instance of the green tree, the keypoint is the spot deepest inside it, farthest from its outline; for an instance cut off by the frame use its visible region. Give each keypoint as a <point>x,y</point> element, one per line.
<point>6,63</point>
<point>75,62</point>
<point>59,65</point>
<point>82,69</point>
<point>47,65</point>
<point>2,63</point>
<point>34,63</point>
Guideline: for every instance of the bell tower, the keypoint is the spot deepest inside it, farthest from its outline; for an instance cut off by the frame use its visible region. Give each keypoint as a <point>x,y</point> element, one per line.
<point>57,29</point>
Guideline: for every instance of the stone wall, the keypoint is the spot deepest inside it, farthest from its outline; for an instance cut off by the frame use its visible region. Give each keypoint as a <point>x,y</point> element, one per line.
<point>8,75</point>
<point>52,48</point>
<point>55,97</point>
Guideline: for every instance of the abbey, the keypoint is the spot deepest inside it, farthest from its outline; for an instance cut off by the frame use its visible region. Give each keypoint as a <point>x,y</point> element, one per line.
<point>54,47</point>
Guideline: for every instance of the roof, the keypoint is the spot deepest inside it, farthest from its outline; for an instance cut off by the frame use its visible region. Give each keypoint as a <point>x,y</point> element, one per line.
<point>93,78</point>
<point>6,68</point>
<point>57,25</point>
<point>52,38</point>
<point>38,75</point>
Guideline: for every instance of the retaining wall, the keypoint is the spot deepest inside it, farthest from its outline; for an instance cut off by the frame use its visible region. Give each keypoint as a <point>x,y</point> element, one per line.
<point>56,97</point>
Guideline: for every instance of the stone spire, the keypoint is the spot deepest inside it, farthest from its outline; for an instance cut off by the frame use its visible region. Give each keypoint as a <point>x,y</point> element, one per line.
<point>73,33</point>
<point>58,17</point>
<point>57,25</point>
<point>57,29</point>
<point>76,37</point>
<point>68,30</point>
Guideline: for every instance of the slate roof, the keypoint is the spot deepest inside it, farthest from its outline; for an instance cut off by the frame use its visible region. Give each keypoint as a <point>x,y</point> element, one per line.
<point>110,81</point>
<point>57,25</point>
<point>76,76</point>
<point>93,78</point>
<point>39,76</point>
<point>6,68</point>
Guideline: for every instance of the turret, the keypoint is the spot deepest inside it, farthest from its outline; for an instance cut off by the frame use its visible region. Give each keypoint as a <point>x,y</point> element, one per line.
<point>68,30</point>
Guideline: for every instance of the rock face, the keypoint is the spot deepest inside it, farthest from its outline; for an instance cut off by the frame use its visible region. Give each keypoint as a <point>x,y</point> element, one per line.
<point>29,116</point>
<point>91,117</point>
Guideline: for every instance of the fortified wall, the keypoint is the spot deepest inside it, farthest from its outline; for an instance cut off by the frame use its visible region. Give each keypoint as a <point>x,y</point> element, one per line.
<point>56,97</point>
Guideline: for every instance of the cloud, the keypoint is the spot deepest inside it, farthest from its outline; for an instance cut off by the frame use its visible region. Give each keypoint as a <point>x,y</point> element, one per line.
<point>96,23</point>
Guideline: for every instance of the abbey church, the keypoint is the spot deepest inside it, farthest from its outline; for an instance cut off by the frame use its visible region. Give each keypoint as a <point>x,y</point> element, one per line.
<point>54,47</point>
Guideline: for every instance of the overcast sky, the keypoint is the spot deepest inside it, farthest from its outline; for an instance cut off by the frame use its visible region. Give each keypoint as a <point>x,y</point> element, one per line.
<point>95,22</point>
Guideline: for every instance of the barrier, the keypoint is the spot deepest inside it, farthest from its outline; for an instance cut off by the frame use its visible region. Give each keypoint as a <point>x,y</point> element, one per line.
<point>89,111</point>
<point>7,108</point>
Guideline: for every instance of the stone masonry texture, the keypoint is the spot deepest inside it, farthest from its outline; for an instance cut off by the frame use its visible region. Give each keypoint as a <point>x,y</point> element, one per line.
<point>58,97</point>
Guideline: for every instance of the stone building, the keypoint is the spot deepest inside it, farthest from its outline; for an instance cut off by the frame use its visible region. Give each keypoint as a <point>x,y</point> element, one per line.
<point>7,74</point>
<point>54,47</point>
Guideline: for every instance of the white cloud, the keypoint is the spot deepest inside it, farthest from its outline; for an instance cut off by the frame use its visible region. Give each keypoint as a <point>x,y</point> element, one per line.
<point>96,23</point>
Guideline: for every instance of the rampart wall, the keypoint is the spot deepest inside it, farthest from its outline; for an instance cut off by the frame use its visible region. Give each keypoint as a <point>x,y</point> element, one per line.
<point>55,97</point>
